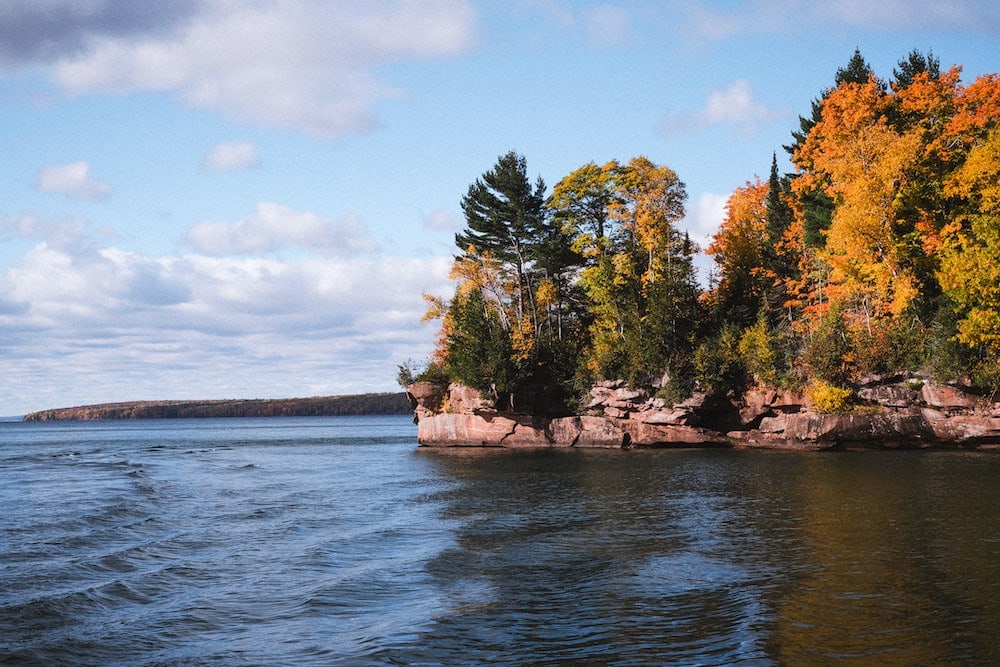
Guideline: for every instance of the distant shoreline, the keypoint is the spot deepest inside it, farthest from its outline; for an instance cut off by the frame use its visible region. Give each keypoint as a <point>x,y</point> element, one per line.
<point>317,406</point>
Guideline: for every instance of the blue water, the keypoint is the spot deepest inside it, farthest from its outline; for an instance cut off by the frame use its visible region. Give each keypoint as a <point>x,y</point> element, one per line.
<point>338,541</point>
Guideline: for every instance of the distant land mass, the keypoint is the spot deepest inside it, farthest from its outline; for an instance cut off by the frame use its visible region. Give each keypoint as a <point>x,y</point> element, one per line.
<point>317,406</point>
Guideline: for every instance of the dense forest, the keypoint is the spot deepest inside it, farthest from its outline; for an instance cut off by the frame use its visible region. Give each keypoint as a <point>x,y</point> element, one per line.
<point>318,406</point>
<point>879,255</point>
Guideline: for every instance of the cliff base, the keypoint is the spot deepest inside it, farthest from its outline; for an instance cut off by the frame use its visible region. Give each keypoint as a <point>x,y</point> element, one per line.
<point>897,413</point>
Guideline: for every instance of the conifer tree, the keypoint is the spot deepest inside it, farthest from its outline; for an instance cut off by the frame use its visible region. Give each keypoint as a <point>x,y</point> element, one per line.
<point>915,63</point>
<point>505,216</point>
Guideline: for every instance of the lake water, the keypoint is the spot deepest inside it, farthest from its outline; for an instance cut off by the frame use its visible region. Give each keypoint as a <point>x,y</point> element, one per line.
<point>337,541</point>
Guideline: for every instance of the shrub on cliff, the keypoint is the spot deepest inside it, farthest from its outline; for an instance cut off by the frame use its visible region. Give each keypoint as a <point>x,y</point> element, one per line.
<point>828,398</point>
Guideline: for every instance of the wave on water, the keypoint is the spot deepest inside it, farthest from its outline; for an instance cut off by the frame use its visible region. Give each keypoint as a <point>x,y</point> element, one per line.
<point>338,541</point>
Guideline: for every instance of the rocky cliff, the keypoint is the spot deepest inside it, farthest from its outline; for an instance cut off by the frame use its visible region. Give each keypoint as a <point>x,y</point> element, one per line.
<point>895,413</point>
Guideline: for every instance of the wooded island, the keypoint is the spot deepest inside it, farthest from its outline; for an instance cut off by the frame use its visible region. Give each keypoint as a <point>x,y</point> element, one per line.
<point>317,406</point>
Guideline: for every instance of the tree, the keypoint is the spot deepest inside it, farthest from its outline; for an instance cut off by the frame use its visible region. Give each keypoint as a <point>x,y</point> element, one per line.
<point>478,346</point>
<point>861,161</point>
<point>970,266</point>
<point>581,202</point>
<point>514,320</point>
<point>505,217</point>
<point>857,71</point>
<point>638,273</point>
<point>817,207</point>
<point>779,213</point>
<point>740,249</point>
<point>915,63</point>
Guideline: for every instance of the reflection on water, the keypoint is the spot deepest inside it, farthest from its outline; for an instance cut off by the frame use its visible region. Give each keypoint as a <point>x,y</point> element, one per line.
<point>722,557</point>
<point>338,541</point>
<point>898,562</point>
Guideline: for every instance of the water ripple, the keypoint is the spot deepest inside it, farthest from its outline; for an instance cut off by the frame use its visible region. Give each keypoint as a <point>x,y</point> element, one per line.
<point>306,542</point>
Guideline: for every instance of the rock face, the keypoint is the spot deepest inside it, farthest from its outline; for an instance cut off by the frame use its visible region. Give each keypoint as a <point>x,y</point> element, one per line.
<point>896,414</point>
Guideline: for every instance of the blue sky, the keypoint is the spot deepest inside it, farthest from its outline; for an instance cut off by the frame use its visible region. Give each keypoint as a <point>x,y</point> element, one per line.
<point>226,199</point>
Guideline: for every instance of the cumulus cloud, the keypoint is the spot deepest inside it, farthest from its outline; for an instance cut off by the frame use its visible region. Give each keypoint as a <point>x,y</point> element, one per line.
<point>273,227</point>
<point>33,31</point>
<point>227,156</point>
<point>701,223</point>
<point>734,106</point>
<point>116,325</point>
<point>300,64</point>
<point>703,219</point>
<point>73,180</point>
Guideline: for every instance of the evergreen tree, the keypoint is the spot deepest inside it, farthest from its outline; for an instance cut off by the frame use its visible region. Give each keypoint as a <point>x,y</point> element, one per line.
<point>478,347</point>
<point>857,71</point>
<point>505,217</point>
<point>915,63</point>
<point>780,217</point>
<point>518,264</point>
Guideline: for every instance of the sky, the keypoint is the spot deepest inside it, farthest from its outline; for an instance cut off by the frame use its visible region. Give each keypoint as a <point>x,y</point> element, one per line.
<point>247,199</point>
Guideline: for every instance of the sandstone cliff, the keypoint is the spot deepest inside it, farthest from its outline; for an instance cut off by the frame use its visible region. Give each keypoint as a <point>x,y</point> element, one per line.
<point>896,414</point>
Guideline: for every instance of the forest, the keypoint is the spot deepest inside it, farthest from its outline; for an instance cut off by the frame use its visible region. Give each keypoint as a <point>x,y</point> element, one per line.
<point>317,406</point>
<point>879,255</point>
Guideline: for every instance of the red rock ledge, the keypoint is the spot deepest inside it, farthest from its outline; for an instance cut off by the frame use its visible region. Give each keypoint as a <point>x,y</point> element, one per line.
<point>899,413</point>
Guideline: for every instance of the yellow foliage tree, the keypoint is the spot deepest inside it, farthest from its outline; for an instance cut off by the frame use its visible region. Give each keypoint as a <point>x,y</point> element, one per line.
<point>970,264</point>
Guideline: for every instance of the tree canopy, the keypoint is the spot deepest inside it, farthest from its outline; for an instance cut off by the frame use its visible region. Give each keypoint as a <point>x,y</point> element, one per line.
<point>877,254</point>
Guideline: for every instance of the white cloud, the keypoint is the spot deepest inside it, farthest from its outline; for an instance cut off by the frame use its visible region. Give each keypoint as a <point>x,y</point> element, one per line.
<point>72,179</point>
<point>227,156</point>
<point>301,64</point>
<point>443,220</point>
<point>273,227</point>
<point>704,219</point>
<point>734,106</point>
<point>701,223</point>
<point>117,325</point>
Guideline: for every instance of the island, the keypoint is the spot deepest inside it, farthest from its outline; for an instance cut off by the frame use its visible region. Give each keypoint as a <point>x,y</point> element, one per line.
<point>394,403</point>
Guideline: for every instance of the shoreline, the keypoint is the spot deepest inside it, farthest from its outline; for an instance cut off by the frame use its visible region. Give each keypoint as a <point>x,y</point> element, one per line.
<point>898,417</point>
<point>390,403</point>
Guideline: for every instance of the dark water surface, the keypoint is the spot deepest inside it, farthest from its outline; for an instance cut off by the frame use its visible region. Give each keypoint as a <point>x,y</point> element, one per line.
<point>338,541</point>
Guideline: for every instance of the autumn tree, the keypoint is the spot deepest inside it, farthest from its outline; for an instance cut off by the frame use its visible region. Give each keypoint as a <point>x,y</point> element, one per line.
<point>816,205</point>
<point>740,249</point>
<point>638,270</point>
<point>897,165</point>
<point>970,264</point>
